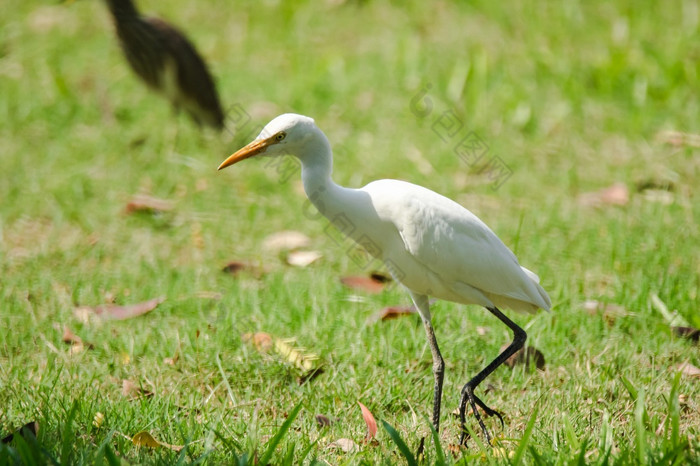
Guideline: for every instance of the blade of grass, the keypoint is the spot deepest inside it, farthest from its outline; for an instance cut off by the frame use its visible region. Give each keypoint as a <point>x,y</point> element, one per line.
<point>641,437</point>
<point>526,437</point>
<point>306,452</point>
<point>570,434</point>
<point>403,448</point>
<point>265,458</point>
<point>581,459</point>
<point>674,410</point>
<point>630,388</point>
<point>439,453</point>
<point>67,435</point>
<point>225,380</point>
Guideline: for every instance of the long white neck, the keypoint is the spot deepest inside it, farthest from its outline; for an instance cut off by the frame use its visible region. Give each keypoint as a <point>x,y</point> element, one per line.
<point>316,168</point>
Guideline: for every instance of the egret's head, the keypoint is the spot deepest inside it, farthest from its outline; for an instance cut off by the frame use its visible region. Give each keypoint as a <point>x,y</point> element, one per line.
<point>282,136</point>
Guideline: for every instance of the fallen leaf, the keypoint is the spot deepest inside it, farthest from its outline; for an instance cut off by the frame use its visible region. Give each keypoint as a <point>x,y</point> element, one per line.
<point>286,241</point>
<point>392,312</point>
<point>370,421</point>
<point>303,258</point>
<point>148,204</point>
<point>690,333</point>
<point>345,444</point>
<point>525,356</point>
<point>688,369</point>
<point>69,337</point>
<point>617,194</point>
<point>679,139</point>
<point>261,340</point>
<point>323,421</point>
<point>32,427</point>
<point>132,391</point>
<point>236,267</point>
<point>172,361</point>
<point>77,344</point>
<point>367,284</point>
<point>145,439</point>
<point>117,312</point>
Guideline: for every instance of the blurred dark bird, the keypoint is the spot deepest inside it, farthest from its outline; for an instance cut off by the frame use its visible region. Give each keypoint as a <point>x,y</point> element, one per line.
<point>167,62</point>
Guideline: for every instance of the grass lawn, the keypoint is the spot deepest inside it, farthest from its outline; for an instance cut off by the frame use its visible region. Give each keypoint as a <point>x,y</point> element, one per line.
<point>564,99</point>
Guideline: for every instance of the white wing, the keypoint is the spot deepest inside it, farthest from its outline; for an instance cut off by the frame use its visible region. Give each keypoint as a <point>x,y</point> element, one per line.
<point>456,245</point>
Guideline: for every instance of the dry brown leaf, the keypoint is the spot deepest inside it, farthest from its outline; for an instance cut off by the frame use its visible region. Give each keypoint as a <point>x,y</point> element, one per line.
<point>617,194</point>
<point>690,333</point>
<point>303,258</point>
<point>392,312</point>
<point>345,444</point>
<point>456,449</point>
<point>148,204</point>
<point>323,421</point>
<point>286,241</point>
<point>117,312</point>
<point>172,361</point>
<point>367,284</point>
<point>32,427</point>
<point>235,267</point>
<point>132,391</point>
<point>69,337</point>
<point>688,369</point>
<point>76,343</point>
<point>261,340</point>
<point>526,355</point>
<point>370,421</point>
<point>679,139</point>
<point>145,439</point>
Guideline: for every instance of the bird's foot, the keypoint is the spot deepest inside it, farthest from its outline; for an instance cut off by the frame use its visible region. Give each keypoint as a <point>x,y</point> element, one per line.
<point>474,401</point>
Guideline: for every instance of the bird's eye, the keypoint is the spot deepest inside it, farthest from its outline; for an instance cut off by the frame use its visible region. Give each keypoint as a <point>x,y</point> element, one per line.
<point>281,135</point>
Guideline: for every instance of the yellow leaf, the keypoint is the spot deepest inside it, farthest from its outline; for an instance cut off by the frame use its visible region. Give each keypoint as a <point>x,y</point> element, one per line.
<point>145,439</point>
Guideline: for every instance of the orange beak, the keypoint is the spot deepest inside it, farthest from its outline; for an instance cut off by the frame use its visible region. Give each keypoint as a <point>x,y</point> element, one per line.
<point>254,148</point>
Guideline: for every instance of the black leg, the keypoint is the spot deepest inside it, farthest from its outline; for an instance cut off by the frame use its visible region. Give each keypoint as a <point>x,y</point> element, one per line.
<point>519,337</point>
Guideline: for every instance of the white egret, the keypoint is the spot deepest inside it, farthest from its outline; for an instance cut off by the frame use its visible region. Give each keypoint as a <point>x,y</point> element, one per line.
<point>431,245</point>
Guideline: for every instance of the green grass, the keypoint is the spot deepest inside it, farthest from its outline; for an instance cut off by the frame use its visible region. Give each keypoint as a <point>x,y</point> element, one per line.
<point>570,96</point>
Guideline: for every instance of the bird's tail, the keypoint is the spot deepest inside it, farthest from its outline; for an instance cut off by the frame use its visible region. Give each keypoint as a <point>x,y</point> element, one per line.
<point>544,302</point>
